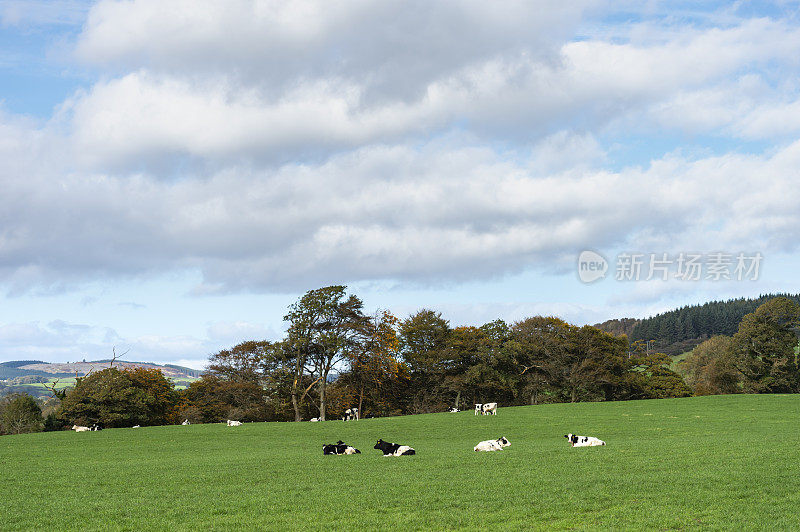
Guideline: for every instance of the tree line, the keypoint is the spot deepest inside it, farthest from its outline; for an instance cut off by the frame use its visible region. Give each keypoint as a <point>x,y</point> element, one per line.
<point>760,357</point>
<point>681,329</point>
<point>335,356</point>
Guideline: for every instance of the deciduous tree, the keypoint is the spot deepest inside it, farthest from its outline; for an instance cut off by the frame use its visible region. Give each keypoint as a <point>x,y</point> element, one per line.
<point>765,347</point>
<point>20,413</point>
<point>120,398</point>
<point>325,325</point>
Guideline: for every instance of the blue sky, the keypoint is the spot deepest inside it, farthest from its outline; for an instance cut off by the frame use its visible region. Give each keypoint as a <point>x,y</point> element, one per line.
<point>174,175</point>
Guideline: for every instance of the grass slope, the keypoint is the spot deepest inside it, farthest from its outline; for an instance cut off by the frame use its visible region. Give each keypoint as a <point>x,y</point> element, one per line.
<point>724,462</point>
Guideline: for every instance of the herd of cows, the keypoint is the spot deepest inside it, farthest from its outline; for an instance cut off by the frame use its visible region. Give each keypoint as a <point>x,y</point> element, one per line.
<point>395,449</point>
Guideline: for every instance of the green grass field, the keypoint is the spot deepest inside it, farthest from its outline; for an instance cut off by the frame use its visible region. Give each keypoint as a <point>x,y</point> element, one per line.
<point>723,462</point>
<point>677,359</point>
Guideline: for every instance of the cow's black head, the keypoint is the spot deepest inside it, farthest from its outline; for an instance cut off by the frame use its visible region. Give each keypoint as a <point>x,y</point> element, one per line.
<point>340,442</point>
<point>379,444</point>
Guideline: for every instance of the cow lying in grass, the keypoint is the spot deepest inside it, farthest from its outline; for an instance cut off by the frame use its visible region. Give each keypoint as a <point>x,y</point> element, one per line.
<point>583,441</point>
<point>185,422</point>
<point>79,428</point>
<point>453,410</point>
<point>234,423</point>
<point>393,449</point>
<point>492,445</point>
<point>339,447</point>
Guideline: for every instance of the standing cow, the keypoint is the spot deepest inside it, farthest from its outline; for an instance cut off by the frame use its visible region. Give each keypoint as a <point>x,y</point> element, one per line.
<point>478,409</point>
<point>350,413</point>
<point>489,409</point>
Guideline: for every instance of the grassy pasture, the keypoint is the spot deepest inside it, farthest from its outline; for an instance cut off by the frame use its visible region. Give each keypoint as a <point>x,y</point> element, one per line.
<point>723,462</point>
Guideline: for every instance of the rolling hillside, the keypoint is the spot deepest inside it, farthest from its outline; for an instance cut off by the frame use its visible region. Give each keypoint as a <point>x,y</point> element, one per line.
<point>28,375</point>
<point>680,330</point>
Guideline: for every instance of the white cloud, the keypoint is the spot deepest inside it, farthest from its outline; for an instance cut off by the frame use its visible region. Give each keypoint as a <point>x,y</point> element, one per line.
<point>277,146</point>
<point>526,88</point>
<point>58,341</point>
<point>396,46</point>
<point>440,212</point>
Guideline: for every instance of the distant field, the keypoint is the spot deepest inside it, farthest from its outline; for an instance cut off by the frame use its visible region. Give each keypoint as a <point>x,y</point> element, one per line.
<point>721,462</point>
<point>677,359</point>
<point>64,382</point>
<point>39,389</point>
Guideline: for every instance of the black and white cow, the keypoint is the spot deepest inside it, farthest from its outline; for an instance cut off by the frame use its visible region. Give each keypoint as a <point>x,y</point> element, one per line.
<point>583,441</point>
<point>453,410</point>
<point>394,449</point>
<point>492,445</point>
<point>95,427</point>
<point>350,413</point>
<point>339,448</point>
<point>478,409</point>
<point>489,409</point>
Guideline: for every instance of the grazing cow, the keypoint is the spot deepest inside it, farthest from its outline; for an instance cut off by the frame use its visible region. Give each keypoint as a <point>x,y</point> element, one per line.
<point>78,428</point>
<point>492,445</point>
<point>394,449</point>
<point>350,413</point>
<point>339,447</point>
<point>314,419</point>
<point>583,441</point>
<point>185,422</point>
<point>478,408</point>
<point>453,410</point>
<point>234,423</point>
<point>489,408</point>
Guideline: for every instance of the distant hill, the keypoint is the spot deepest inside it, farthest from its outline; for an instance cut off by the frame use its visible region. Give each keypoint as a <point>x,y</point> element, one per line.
<point>27,376</point>
<point>24,368</point>
<point>681,329</point>
<point>618,327</point>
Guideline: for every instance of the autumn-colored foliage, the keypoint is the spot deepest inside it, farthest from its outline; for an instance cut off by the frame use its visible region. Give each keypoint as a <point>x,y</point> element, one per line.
<point>120,398</point>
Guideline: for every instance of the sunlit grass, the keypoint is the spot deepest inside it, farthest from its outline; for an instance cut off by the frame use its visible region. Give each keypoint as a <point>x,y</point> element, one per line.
<point>712,462</point>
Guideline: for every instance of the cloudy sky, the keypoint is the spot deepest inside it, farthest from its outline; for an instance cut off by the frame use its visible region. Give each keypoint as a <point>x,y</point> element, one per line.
<point>174,174</point>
